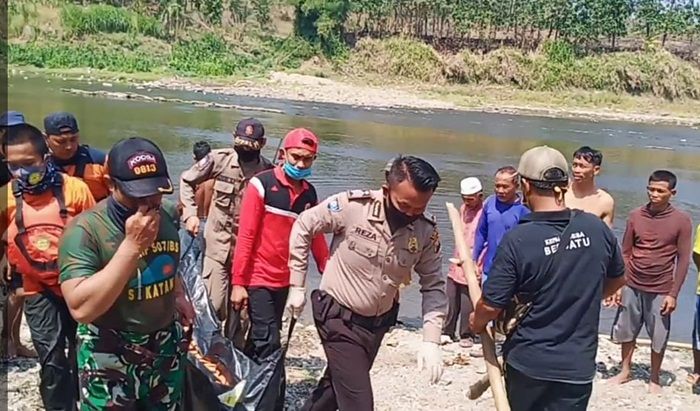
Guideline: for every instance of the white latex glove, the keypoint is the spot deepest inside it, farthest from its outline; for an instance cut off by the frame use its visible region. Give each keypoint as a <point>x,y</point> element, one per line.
<point>295,301</point>
<point>430,358</point>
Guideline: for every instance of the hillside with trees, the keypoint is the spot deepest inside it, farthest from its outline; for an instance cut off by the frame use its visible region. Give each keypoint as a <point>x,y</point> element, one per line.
<point>635,47</point>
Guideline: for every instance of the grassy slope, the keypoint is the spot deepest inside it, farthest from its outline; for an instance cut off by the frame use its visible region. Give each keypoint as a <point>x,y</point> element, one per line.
<point>469,96</point>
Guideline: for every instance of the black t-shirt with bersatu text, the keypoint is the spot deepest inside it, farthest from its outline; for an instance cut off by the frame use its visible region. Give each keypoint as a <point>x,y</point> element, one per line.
<point>558,339</point>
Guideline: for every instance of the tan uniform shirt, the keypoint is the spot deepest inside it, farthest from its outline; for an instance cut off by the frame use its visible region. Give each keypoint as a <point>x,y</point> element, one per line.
<point>230,179</point>
<point>368,264</point>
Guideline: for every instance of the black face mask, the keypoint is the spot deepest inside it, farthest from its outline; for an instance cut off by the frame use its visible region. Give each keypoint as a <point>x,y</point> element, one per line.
<point>247,156</point>
<point>395,217</point>
<point>118,212</point>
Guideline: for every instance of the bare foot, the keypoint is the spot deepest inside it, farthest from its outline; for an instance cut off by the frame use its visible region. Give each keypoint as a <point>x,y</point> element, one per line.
<point>619,379</point>
<point>26,352</point>
<point>11,351</point>
<point>654,388</point>
<point>15,350</point>
<point>694,379</point>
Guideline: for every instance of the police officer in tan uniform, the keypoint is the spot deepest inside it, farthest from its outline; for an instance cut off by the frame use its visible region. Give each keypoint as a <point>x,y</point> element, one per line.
<point>231,168</point>
<point>378,238</point>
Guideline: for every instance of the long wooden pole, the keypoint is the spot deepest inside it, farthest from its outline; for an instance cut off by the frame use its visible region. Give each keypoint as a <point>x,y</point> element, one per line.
<point>493,368</point>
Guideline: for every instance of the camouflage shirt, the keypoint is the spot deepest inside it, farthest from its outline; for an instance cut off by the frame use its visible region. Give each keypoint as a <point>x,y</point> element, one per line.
<point>147,303</point>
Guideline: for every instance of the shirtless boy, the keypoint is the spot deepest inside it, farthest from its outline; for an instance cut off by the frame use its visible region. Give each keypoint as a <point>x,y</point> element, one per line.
<point>583,193</point>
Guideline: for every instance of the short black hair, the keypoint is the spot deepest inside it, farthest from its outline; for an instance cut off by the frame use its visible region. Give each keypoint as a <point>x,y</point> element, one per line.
<point>664,175</point>
<point>508,170</point>
<point>554,177</point>
<point>419,172</point>
<point>200,149</point>
<point>27,133</point>
<point>589,154</point>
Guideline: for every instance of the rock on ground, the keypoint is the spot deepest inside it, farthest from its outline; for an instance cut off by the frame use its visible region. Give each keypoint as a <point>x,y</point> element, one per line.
<point>399,385</point>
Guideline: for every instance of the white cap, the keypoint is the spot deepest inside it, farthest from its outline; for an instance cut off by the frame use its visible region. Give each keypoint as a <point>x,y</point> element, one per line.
<point>470,186</point>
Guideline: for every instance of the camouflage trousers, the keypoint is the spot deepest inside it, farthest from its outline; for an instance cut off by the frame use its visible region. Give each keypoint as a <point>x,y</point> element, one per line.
<point>131,371</point>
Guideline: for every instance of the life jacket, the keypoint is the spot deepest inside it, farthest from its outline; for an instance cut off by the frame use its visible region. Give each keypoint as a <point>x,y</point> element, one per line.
<point>34,249</point>
<point>82,161</point>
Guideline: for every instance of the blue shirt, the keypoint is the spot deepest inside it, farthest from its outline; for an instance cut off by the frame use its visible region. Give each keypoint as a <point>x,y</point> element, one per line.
<point>497,219</point>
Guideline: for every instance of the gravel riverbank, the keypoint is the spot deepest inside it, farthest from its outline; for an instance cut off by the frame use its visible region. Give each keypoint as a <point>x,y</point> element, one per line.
<point>399,385</point>
<point>353,93</point>
<point>299,87</point>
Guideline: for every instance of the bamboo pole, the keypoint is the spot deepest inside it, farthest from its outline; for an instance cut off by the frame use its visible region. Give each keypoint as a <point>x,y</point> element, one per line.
<point>493,368</point>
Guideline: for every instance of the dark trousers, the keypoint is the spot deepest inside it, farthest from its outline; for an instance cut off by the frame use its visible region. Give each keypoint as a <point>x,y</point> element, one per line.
<point>53,330</point>
<point>350,351</point>
<point>460,306</point>
<point>266,308</point>
<point>528,394</point>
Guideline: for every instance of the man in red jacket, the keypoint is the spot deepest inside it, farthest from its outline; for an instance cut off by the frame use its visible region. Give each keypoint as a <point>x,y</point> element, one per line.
<point>260,274</point>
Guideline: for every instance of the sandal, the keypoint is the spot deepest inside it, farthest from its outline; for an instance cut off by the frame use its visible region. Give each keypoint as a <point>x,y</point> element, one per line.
<point>466,343</point>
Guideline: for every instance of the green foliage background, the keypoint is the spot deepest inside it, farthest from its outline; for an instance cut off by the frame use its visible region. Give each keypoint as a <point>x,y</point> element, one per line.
<point>528,44</point>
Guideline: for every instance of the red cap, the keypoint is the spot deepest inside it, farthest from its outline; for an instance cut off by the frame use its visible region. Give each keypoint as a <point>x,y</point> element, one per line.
<point>301,138</point>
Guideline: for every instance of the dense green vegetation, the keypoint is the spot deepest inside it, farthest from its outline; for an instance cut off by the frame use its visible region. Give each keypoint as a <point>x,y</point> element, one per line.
<point>528,22</point>
<point>624,46</point>
<point>521,22</point>
<point>654,72</point>
<point>79,21</point>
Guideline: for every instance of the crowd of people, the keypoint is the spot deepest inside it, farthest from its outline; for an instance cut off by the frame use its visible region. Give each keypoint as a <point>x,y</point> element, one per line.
<point>92,247</point>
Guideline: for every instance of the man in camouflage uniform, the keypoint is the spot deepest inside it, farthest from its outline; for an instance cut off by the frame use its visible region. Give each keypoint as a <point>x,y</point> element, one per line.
<point>231,168</point>
<point>118,265</point>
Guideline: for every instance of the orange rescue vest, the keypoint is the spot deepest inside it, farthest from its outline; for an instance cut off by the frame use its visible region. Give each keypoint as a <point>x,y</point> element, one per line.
<point>34,249</point>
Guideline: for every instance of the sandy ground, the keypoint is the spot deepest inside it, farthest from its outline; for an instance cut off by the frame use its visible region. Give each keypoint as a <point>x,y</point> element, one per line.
<point>292,86</point>
<point>394,94</point>
<point>399,385</point>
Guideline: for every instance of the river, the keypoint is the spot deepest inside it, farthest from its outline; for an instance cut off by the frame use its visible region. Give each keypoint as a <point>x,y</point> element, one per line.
<point>357,142</point>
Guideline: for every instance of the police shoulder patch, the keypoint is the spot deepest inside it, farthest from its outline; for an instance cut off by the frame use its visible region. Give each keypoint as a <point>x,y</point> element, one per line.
<point>359,194</point>
<point>334,205</point>
<point>430,218</point>
<point>204,162</point>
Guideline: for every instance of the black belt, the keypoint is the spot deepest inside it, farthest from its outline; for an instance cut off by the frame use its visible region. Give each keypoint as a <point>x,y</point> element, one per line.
<point>333,309</point>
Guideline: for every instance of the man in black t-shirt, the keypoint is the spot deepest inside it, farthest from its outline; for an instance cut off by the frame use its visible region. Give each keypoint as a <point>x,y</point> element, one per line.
<point>565,262</point>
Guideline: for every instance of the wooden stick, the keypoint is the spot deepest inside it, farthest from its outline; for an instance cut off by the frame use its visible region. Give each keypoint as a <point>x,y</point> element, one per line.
<point>478,388</point>
<point>493,368</point>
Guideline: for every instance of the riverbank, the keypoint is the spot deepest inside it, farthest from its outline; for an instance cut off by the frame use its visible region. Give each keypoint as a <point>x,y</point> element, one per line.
<point>215,52</point>
<point>371,94</point>
<point>399,385</point>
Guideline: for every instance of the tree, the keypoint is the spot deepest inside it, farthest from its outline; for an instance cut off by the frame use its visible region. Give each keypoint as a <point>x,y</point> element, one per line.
<point>321,22</point>
<point>649,17</point>
<point>611,17</point>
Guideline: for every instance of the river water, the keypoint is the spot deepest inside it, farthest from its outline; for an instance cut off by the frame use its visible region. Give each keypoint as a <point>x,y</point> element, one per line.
<point>357,142</point>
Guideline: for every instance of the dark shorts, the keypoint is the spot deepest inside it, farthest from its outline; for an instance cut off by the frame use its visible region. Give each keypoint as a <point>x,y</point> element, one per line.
<point>640,308</point>
<point>696,325</point>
